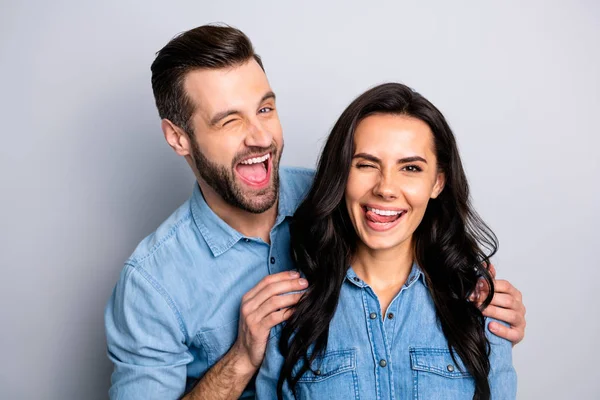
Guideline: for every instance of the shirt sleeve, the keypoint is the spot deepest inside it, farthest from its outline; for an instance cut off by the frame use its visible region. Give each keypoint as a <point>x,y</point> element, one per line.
<point>503,377</point>
<point>268,374</point>
<point>146,340</point>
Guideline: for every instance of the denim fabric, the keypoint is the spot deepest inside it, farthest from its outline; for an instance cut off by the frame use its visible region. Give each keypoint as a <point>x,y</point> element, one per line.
<point>404,356</point>
<point>174,311</point>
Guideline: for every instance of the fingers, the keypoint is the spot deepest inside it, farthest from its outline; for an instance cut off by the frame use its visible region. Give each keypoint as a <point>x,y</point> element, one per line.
<point>276,303</point>
<point>265,305</point>
<point>511,334</point>
<point>505,301</point>
<point>276,318</point>
<point>509,316</point>
<point>503,286</point>
<point>274,289</point>
<point>267,280</point>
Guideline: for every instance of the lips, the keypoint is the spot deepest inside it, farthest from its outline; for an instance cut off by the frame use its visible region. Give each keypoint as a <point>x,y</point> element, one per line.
<point>255,171</point>
<point>382,219</point>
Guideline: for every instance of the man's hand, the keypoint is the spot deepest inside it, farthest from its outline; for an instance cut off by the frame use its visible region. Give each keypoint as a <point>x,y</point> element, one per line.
<point>263,307</point>
<point>507,305</point>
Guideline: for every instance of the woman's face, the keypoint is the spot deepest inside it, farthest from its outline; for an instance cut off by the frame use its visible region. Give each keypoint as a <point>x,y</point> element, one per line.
<point>393,175</point>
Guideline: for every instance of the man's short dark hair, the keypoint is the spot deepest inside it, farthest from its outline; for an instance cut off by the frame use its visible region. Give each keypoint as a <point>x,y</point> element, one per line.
<point>204,47</point>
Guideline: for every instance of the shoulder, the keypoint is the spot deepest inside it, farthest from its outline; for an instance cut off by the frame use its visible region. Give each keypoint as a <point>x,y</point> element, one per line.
<point>503,377</point>
<point>176,232</point>
<point>297,178</point>
<point>295,183</point>
<point>167,254</point>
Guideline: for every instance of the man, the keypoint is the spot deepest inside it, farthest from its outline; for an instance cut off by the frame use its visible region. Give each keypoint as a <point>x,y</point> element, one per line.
<point>198,297</point>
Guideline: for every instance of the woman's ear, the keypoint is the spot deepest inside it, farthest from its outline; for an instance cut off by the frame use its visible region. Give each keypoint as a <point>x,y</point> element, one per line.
<point>440,181</point>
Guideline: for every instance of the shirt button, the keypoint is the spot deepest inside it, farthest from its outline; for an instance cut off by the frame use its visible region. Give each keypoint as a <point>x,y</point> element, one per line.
<point>383,363</point>
<point>272,260</point>
<point>450,368</point>
<point>356,279</point>
<point>318,372</point>
<point>391,316</point>
<point>246,240</point>
<point>372,315</point>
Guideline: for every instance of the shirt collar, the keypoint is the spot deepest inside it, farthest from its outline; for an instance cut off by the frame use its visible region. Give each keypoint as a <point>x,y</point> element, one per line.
<point>219,236</point>
<point>415,274</point>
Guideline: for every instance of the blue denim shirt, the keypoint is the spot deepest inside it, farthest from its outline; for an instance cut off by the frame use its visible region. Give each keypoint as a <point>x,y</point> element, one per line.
<point>174,311</point>
<point>404,356</point>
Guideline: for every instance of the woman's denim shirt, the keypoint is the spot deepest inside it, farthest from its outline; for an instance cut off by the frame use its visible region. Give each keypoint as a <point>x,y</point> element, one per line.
<point>402,356</point>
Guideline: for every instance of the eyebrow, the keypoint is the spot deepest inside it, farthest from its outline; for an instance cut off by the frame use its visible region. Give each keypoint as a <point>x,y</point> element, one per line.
<point>404,160</point>
<point>223,114</point>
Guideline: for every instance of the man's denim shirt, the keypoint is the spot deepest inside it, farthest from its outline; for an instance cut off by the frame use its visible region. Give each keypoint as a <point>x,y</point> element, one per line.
<point>403,356</point>
<point>174,311</point>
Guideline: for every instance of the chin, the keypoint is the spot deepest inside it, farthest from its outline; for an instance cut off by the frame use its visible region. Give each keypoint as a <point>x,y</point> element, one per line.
<point>379,244</point>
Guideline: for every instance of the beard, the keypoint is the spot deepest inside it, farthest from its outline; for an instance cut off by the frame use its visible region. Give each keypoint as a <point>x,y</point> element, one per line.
<point>222,180</point>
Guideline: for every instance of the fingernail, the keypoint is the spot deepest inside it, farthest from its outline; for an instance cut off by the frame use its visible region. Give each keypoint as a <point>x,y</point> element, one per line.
<point>472,296</point>
<point>302,282</point>
<point>294,274</point>
<point>492,326</point>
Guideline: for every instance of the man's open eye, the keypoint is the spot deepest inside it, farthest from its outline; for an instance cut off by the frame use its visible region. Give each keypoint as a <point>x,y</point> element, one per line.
<point>265,110</point>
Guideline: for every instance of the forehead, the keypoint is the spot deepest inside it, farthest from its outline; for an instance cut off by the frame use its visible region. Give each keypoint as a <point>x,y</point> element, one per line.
<point>215,90</point>
<point>393,135</point>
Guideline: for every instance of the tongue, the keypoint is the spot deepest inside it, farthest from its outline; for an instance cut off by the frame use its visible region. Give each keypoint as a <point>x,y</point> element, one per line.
<point>371,216</point>
<point>254,173</point>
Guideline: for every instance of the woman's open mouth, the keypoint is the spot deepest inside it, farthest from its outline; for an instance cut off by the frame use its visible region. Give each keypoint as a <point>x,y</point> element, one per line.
<point>380,219</point>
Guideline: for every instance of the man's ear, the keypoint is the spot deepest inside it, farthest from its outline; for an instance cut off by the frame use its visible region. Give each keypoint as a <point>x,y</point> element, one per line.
<point>439,185</point>
<point>176,138</point>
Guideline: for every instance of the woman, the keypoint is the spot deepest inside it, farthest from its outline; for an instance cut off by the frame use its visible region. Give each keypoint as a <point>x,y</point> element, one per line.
<point>392,249</point>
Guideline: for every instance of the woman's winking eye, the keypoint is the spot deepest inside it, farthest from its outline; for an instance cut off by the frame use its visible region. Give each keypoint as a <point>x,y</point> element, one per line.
<point>364,165</point>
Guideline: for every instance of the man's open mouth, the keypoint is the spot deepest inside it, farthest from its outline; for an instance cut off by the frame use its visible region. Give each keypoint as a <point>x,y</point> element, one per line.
<point>255,171</point>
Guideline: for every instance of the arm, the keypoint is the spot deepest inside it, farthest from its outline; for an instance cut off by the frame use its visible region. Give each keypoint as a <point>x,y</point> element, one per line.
<point>263,307</point>
<point>507,306</point>
<point>145,340</point>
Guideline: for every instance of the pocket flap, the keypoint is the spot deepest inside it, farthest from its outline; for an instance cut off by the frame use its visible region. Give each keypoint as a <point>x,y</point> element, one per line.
<point>330,364</point>
<point>437,361</point>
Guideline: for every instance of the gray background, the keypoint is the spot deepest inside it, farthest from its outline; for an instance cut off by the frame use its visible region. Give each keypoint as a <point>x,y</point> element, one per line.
<point>85,172</point>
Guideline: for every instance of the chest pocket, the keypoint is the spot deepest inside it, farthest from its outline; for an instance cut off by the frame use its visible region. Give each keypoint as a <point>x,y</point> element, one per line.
<point>218,341</point>
<point>437,376</point>
<point>332,377</point>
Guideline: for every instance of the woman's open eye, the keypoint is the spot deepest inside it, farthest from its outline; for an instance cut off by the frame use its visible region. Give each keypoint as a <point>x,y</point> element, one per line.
<point>412,168</point>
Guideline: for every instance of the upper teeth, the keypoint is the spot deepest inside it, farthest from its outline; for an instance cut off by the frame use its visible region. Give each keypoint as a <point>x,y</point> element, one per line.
<point>257,160</point>
<point>384,212</point>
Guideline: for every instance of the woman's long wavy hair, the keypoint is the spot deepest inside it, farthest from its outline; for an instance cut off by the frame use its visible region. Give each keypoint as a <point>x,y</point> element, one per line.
<point>452,245</point>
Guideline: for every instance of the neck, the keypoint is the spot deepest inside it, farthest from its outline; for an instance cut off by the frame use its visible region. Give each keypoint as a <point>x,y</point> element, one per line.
<point>247,223</point>
<point>384,269</point>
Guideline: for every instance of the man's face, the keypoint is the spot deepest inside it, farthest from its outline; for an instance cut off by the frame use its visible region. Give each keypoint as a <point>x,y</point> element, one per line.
<point>237,139</point>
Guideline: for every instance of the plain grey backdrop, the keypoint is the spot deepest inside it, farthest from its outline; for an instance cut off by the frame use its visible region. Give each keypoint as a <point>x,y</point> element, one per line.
<point>86,174</point>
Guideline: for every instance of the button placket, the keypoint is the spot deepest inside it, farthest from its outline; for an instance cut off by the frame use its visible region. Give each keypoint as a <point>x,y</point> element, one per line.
<point>378,333</point>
